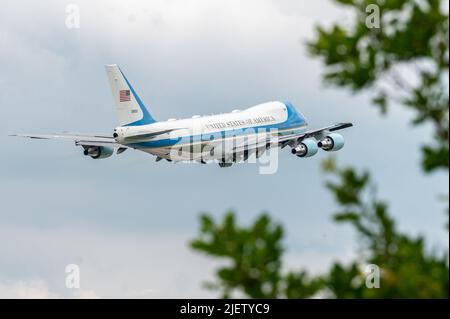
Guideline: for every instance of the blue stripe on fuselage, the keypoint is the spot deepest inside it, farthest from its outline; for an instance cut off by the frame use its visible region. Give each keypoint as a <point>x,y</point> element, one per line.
<point>146,118</point>
<point>295,121</point>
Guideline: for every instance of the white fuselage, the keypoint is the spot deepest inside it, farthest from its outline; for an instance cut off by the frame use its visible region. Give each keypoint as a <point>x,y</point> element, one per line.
<point>196,138</point>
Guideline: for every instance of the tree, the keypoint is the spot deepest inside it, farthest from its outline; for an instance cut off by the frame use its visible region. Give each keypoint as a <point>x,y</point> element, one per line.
<point>408,270</point>
<point>254,253</point>
<point>405,61</point>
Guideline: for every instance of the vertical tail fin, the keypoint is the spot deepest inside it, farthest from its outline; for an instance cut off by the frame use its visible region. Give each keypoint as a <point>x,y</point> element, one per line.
<point>129,107</point>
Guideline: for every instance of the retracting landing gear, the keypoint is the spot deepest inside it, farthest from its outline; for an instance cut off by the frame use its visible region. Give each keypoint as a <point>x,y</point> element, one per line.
<point>224,163</point>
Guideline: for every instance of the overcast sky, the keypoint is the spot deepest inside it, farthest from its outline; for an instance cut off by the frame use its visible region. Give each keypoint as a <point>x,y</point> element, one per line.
<point>126,220</point>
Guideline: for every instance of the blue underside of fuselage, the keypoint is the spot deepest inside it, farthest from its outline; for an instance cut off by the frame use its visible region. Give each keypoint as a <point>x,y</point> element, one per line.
<point>295,121</point>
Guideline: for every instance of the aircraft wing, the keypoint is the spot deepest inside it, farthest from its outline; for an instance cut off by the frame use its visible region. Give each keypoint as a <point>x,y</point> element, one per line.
<point>143,136</point>
<point>79,139</point>
<point>317,134</point>
<point>290,139</point>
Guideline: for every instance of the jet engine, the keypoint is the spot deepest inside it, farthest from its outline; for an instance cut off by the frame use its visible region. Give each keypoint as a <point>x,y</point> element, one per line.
<point>306,148</point>
<point>97,152</point>
<point>333,142</point>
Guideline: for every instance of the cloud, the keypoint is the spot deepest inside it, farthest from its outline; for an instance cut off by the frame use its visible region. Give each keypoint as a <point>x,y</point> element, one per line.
<point>86,294</point>
<point>111,265</point>
<point>36,289</point>
<point>127,220</point>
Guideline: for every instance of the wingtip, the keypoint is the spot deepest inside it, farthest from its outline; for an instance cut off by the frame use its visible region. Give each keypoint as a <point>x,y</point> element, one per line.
<point>347,124</point>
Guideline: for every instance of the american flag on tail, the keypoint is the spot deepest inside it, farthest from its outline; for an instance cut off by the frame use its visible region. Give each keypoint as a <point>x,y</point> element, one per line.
<point>124,96</point>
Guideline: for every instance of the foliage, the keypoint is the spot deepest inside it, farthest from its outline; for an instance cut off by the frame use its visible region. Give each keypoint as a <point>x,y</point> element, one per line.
<point>254,253</point>
<point>404,61</point>
<point>408,270</point>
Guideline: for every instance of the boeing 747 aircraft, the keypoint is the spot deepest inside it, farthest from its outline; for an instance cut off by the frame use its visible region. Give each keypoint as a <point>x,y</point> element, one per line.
<point>223,138</point>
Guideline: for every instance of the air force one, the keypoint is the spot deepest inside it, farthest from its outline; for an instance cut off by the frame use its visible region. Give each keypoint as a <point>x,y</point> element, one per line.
<point>223,138</point>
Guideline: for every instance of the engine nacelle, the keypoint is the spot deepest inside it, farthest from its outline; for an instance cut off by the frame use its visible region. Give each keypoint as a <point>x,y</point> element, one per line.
<point>306,148</point>
<point>333,142</point>
<point>97,152</point>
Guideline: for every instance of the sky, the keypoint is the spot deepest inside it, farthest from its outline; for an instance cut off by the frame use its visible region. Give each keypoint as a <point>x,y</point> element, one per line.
<point>126,221</point>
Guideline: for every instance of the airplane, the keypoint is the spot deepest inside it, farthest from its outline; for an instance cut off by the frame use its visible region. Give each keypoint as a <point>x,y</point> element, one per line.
<point>222,138</point>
